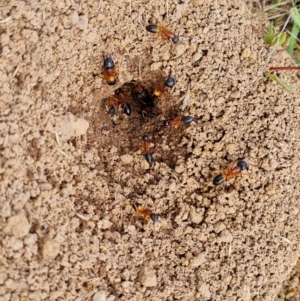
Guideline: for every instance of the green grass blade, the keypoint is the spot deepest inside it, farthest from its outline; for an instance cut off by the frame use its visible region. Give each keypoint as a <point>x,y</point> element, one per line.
<point>293,37</point>
<point>269,38</point>
<point>296,17</point>
<point>270,35</point>
<point>285,85</point>
<point>279,81</point>
<point>274,7</point>
<point>281,17</point>
<point>280,40</point>
<point>270,75</point>
<point>272,38</point>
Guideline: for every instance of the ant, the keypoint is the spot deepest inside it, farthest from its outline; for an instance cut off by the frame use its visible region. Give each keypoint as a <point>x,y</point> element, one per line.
<point>121,98</point>
<point>148,112</point>
<point>164,32</point>
<point>141,94</point>
<point>112,106</point>
<point>110,73</point>
<point>146,214</point>
<point>145,147</point>
<point>179,120</point>
<point>168,84</point>
<point>230,173</point>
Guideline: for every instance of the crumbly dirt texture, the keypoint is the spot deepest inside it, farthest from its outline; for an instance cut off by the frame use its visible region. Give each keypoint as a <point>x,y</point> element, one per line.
<point>71,174</point>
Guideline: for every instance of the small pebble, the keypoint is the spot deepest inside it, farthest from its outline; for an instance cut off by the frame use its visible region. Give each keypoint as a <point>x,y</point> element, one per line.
<point>235,94</point>
<point>10,284</point>
<point>196,217</point>
<point>180,168</point>
<point>17,225</point>
<point>156,66</point>
<point>245,294</point>
<point>74,17</point>
<point>49,248</point>
<point>226,236</point>
<point>147,277</point>
<point>246,53</point>
<point>5,50</point>
<point>113,150</point>
<point>126,159</point>
<point>127,284</point>
<point>145,165</point>
<point>100,296</point>
<point>106,224</point>
<point>197,260</point>
<point>45,186</point>
<point>17,244</point>
<point>6,210</point>
<point>219,226</point>
<point>180,49</point>
<point>203,289</point>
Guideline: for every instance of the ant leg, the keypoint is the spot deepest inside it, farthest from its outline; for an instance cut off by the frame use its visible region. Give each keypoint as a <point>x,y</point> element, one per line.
<point>134,214</point>
<point>132,205</point>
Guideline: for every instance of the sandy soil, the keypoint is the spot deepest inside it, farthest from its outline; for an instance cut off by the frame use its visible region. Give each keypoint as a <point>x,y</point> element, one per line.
<point>71,174</point>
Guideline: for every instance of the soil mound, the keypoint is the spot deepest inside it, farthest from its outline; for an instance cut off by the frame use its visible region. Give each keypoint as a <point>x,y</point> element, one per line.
<point>71,175</point>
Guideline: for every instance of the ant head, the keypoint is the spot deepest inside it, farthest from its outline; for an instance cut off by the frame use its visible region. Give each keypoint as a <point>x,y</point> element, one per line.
<point>111,111</point>
<point>109,63</point>
<point>242,164</point>
<point>175,39</point>
<point>111,81</point>
<point>170,82</point>
<point>154,217</point>
<point>151,115</point>
<point>145,138</point>
<point>127,109</point>
<point>166,122</point>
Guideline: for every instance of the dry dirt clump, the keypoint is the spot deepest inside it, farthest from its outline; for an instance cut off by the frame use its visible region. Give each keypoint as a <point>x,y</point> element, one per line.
<point>70,173</point>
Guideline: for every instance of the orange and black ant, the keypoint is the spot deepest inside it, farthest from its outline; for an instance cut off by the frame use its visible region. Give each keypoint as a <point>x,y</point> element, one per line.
<point>179,120</point>
<point>112,102</point>
<point>146,214</point>
<point>122,100</point>
<point>164,32</point>
<point>166,85</point>
<point>230,173</point>
<point>110,73</point>
<point>148,112</point>
<point>145,147</point>
<point>141,94</point>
